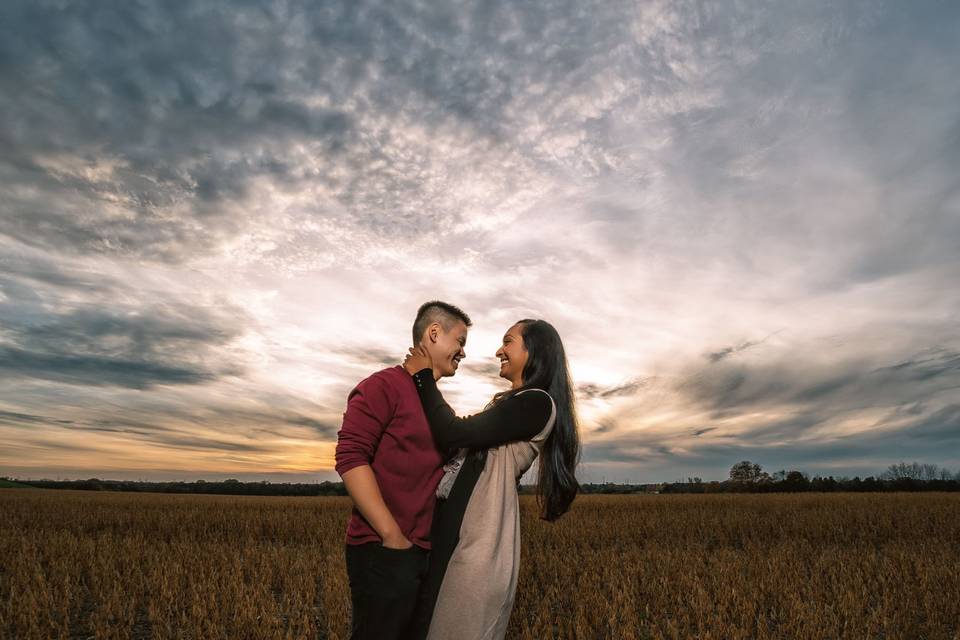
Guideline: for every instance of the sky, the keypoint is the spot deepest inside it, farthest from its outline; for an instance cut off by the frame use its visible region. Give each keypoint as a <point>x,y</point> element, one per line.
<point>743,218</point>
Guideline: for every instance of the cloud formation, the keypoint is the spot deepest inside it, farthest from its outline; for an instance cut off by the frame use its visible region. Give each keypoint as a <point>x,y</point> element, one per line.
<point>216,218</point>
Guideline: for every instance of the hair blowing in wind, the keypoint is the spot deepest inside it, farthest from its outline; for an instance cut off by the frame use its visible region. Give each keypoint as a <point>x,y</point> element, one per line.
<point>547,369</point>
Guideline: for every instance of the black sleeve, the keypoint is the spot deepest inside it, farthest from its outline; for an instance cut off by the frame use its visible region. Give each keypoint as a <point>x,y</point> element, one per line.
<point>519,417</point>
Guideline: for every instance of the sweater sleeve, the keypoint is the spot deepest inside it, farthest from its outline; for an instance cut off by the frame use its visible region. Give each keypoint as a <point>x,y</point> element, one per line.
<point>369,410</point>
<point>519,417</point>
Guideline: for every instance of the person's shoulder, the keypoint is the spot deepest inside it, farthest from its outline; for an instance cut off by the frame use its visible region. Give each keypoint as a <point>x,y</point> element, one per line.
<point>535,392</point>
<point>538,408</point>
<point>536,398</point>
<point>388,379</point>
<point>539,390</point>
<point>391,375</point>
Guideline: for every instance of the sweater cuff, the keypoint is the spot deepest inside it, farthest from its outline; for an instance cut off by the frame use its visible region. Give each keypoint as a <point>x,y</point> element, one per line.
<point>420,378</point>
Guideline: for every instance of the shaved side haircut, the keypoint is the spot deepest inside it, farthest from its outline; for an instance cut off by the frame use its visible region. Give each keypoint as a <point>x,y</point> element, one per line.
<point>436,311</point>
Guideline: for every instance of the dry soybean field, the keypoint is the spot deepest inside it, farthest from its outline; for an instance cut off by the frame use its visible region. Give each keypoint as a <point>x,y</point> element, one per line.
<point>121,565</point>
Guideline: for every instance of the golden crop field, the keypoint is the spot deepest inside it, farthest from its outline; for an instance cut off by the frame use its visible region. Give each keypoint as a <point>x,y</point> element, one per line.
<point>811,566</point>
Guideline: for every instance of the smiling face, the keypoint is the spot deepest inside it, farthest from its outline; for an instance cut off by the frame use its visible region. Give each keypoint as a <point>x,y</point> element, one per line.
<point>513,355</point>
<point>446,347</point>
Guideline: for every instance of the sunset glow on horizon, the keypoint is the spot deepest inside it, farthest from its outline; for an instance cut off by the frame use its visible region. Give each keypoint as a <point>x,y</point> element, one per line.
<point>215,220</point>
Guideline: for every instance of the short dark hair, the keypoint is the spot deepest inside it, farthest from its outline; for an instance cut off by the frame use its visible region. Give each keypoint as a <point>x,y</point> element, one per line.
<point>437,311</point>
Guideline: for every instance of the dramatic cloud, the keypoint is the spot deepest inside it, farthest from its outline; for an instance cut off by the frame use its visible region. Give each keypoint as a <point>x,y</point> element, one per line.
<point>216,218</point>
<point>110,334</point>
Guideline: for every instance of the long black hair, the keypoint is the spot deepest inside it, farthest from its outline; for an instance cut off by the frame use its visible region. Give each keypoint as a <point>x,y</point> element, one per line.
<point>547,369</point>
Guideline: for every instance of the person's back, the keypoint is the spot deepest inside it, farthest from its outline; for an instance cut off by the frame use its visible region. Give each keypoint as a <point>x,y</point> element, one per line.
<point>390,467</point>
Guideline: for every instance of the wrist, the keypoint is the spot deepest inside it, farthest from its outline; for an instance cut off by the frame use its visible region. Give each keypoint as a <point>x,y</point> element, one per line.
<point>391,534</point>
<point>421,374</point>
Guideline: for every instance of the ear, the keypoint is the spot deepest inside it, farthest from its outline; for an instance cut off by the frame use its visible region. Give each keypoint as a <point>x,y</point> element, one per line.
<point>433,332</point>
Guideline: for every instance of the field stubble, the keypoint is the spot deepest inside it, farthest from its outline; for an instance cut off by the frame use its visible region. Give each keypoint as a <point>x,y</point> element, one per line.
<point>812,566</point>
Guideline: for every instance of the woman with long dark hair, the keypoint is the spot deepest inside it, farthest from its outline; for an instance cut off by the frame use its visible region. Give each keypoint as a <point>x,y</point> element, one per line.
<point>472,577</point>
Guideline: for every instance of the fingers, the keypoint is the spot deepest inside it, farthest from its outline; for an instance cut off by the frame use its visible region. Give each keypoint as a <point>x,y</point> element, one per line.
<point>418,352</point>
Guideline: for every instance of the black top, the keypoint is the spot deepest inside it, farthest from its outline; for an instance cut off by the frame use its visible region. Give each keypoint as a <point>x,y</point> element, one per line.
<point>519,417</point>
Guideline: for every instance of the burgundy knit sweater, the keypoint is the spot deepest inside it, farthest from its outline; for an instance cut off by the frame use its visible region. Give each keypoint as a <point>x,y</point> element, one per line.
<point>384,426</point>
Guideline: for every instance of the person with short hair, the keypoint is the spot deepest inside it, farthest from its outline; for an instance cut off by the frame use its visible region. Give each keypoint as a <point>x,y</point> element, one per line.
<point>390,466</point>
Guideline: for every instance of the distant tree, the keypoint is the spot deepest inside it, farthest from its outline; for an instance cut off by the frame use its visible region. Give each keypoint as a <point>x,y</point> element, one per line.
<point>746,471</point>
<point>820,483</point>
<point>779,476</point>
<point>929,472</point>
<point>911,471</point>
<point>902,471</point>
<point>796,478</point>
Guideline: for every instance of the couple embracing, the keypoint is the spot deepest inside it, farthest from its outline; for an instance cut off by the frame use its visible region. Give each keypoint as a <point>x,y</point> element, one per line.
<point>433,544</point>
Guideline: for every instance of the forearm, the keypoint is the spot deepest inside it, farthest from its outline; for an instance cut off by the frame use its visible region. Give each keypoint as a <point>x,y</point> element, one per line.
<point>362,486</point>
<point>518,418</point>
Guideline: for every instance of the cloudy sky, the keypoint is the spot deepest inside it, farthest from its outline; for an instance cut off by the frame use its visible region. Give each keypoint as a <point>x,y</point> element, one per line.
<point>216,218</point>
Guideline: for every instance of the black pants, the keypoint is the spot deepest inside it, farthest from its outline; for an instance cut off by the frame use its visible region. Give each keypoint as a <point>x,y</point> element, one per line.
<point>384,584</point>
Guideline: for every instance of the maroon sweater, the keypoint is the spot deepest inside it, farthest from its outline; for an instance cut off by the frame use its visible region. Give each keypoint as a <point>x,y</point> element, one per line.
<point>384,426</point>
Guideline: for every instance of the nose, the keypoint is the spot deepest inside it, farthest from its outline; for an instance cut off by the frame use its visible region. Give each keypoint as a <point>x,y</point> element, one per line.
<point>499,353</point>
